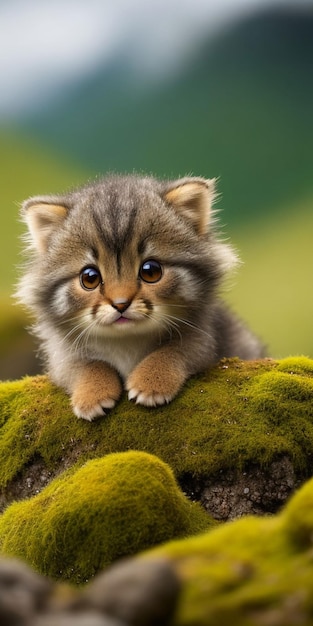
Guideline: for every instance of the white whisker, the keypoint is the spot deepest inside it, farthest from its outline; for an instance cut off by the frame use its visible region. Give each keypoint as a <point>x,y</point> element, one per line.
<point>181,320</point>
<point>81,341</point>
<point>76,338</point>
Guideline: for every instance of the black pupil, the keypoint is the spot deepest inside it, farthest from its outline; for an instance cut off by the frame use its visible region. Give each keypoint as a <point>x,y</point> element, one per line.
<point>151,271</point>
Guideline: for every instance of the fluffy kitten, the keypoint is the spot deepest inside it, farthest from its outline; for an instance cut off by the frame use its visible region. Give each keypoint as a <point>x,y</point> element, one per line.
<point>123,281</point>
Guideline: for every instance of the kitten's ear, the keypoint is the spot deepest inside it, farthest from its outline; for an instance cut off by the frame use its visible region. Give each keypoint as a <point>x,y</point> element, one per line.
<point>42,217</point>
<point>193,199</point>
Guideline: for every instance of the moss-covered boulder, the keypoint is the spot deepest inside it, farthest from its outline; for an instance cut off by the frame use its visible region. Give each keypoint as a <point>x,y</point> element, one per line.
<point>88,518</point>
<point>77,496</point>
<point>239,438</point>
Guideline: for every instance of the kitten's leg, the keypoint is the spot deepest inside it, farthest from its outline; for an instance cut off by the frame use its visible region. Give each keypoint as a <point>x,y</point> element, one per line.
<point>158,378</point>
<point>96,387</point>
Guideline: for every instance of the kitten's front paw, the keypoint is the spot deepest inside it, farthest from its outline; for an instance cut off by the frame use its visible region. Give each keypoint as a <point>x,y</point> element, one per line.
<point>87,409</point>
<point>149,399</point>
<point>97,388</point>
<point>155,381</point>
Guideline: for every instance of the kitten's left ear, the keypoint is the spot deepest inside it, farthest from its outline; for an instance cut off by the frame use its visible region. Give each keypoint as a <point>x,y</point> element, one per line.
<point>42,216</point>
<point>193,199</point>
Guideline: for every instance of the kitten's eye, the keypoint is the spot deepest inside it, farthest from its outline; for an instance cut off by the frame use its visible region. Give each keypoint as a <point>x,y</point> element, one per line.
<point>90,278</point>
<point>150,271</point>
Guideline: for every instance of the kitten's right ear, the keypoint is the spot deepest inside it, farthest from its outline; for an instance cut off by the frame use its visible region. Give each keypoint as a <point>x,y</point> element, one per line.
<point>192,198</point>
<point>42,217</point>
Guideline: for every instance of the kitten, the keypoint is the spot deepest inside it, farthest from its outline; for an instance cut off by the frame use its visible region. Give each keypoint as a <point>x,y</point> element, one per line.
<point>123,280</point>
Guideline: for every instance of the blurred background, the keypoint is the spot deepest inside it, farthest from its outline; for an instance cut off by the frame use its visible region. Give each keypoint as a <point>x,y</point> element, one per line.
<point>218,88</point>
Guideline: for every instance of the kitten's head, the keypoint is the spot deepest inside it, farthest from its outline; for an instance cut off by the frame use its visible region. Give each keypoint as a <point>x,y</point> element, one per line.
<point>125,255</point>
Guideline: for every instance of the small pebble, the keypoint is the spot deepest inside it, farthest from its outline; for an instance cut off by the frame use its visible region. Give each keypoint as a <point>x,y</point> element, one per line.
<point>22,592</point>
<point>138,591</point>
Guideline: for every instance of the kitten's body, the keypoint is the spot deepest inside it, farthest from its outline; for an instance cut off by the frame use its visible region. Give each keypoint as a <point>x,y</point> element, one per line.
<point>123,281</point>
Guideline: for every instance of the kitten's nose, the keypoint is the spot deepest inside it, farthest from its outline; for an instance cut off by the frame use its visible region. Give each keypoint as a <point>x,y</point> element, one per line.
<point>121,304</point>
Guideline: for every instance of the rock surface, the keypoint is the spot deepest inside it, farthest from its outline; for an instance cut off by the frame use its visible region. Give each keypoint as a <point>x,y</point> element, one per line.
<point>78,496</point>
<point>242,425</point>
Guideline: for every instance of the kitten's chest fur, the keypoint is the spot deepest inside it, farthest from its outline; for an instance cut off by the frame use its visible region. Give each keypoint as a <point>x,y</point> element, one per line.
<point>122,354</point>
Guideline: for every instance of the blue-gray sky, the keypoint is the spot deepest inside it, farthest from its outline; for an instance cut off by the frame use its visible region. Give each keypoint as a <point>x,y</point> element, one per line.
<point>45,44</point>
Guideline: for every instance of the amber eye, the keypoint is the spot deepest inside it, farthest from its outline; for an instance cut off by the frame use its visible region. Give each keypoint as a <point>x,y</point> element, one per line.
<point>150,271</point>
<point>90,278</point>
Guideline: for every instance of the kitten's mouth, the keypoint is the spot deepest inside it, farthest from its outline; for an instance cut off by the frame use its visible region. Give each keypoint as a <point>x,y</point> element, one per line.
<point>122,320</point>
<point>126,319</point>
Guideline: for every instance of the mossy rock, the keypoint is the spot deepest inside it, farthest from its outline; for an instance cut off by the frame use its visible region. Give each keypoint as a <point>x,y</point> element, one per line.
<point>251,572</point>
<point>237,416</point>
<point>107,509</point>
<point>110,496</point>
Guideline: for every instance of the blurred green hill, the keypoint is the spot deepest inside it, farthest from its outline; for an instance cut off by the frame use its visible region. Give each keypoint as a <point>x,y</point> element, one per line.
<point>27,168</point>
<point>272,289</point>
<point>240,109</point>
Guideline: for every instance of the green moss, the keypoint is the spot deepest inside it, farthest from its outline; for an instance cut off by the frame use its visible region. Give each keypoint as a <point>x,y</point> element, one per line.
<point>255,571</point>
<point>107,509</point>
<point>29,410</point>
<point>236,413</point>
<point>113,502</point>
<point>296,365</point>
<point>299,517</point>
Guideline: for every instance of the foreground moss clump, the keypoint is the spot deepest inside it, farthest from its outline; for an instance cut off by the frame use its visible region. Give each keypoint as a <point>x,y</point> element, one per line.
<point>109,508</point>
<point>236,413</point>
<point>251,572</point>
